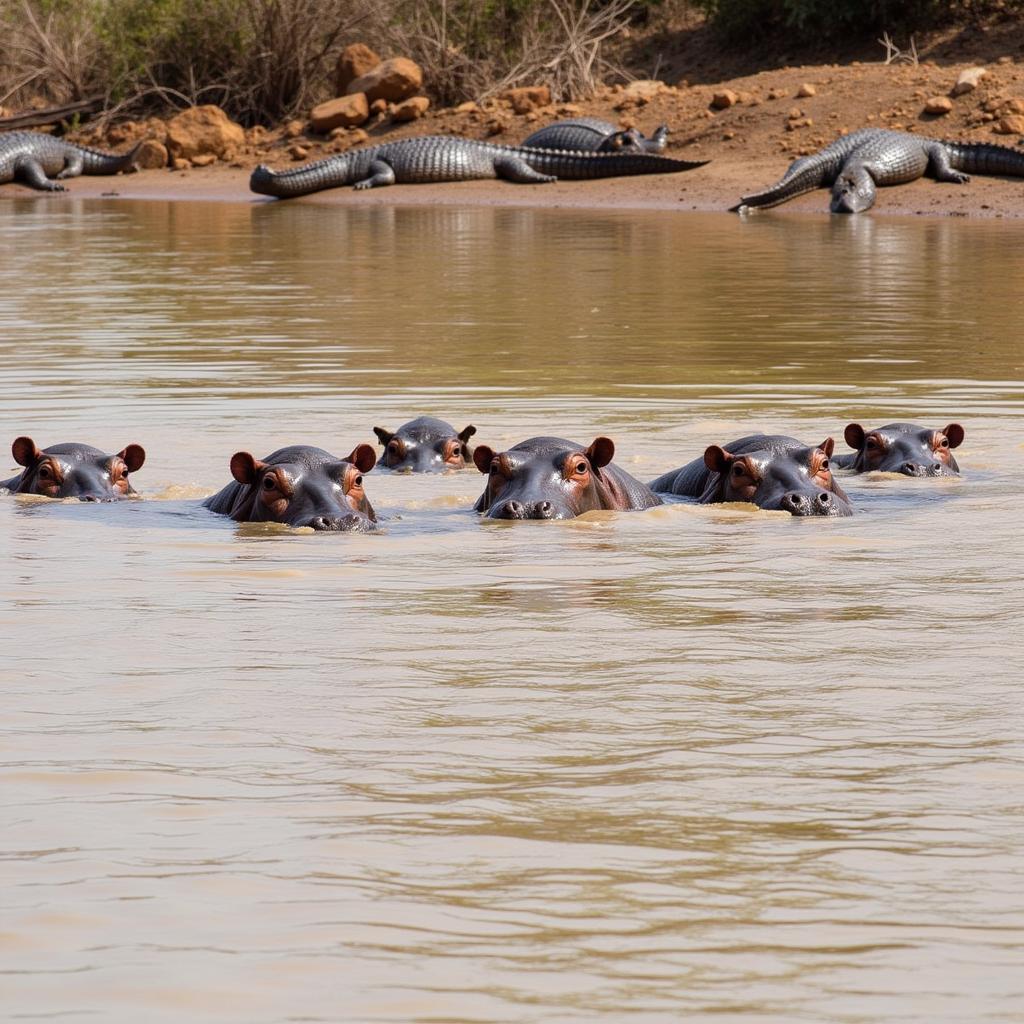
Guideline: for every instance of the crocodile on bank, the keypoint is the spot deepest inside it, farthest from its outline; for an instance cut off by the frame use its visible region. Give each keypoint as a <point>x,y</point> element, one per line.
<point>856,164</point>
<point>596,136</point>
<point>437,158</point>
<point>34,158</point>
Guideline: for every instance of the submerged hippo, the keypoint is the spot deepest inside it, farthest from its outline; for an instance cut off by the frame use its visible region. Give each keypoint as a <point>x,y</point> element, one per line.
<point>769,470</point>
<point>299,486</point>
<point>902,448</point>
<point>551,478</point>
<point>425,445</point>
<point>73,471</point>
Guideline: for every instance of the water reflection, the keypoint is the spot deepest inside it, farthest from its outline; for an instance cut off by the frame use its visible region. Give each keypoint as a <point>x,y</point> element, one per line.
<point>686,762</point>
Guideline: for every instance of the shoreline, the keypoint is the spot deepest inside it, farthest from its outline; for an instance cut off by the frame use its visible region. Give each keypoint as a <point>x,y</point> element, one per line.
<point>710,189</point>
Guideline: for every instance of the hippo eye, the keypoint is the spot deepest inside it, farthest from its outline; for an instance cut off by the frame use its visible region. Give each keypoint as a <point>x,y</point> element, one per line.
<point>737,470</point>
<point>358,482</point>
<point>45,473</point>
<point>268,483</point>
<point>581,468</point>
<point>824,465</point>
<point>945,442</point>
<point>872,442</point>
<point>494,469</point>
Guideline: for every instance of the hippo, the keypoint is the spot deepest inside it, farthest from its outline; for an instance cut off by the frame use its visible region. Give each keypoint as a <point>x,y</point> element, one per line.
<point>769,470</point>
<point>425,445</point>
<point>902,448</point>
<point>299,486</point>
<point>74,471</point>
<point>552,478</point>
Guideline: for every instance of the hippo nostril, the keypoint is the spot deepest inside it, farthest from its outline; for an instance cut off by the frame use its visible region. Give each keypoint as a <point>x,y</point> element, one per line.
<point>320,523</point>
<point>89,497</point>
<point>824,499</point>
<point>544,509</point>
<point>795,503</point>
<point>910,469</point>
<point>514,509</point>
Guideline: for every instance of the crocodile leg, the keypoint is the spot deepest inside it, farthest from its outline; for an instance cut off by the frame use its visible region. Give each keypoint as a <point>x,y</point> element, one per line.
<point>30,171</point>
<point>514,168</point>
<point>381,174</point>
<point>940,168</point>
<point>74,164</point>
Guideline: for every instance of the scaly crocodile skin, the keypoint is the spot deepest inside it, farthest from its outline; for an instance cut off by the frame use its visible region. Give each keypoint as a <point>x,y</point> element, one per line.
<point>595,136</point>
<point>34,158</point>
<point>855,164</point>
<point>436,158</point>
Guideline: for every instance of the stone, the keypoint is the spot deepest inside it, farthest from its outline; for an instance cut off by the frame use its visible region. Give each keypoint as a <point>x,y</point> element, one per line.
<point>469,107</point>
<point>795,113</point>
<point>724,99</point>
<point>938,105</point>
<point>256,135</point>
<point>805,90</point>
<point>644,89</point>
<point>126,131</point>
<point>344,112</point>
<point>391,80</point>
<point>527,98</point>
<point>1014,106</point>
<point>411,109</point>
<point>968,80</point>
<point>298,152</point>
<point>151,155</point>
<point>358,137</point>
<point>178,164</point>
<point>355,61</point>
<point>378,108</point>
<point>293,129</point>
<point>205,129</point>
<point>1011,125</point>
<point>203,159</point>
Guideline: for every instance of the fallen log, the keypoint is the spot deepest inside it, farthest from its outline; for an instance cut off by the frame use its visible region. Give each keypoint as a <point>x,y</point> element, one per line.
<point>52,115</point>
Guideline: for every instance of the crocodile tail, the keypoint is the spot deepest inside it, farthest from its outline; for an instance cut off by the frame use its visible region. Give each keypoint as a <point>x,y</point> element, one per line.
<point>96,161</point>
<point>581,166</point>
<point>986,158</point>
<point>804,175</point>
<point>302,180</point>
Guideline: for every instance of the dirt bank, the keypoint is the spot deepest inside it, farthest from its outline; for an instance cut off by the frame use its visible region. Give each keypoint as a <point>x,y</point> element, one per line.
<point>770,121</point>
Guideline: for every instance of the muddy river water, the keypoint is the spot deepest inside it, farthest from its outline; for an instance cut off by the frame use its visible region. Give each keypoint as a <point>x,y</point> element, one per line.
<point>694,763</point>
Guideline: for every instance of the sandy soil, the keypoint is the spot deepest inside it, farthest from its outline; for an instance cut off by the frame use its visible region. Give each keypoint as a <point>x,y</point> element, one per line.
<point>749,144</point>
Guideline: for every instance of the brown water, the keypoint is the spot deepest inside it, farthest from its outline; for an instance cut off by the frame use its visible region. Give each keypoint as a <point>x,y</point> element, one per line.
<point>691,763</point>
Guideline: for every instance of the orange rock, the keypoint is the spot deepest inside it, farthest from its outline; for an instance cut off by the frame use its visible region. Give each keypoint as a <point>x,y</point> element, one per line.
<point>343,112</point>
<point>355,61</point>
<point>200,130</point>
<point>805,90</point>
<point>527,98</point>
<point>938,105</point>
<point>203,159</point>
<point>411,109</point>
<point>1010,125</point>
<point>392,80</point>
<point>151,155</point>
<point>968,80</point>
<point>724,99</point>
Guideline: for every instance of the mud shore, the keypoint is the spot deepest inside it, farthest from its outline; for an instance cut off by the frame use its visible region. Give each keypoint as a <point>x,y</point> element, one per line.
<point>769,121</point>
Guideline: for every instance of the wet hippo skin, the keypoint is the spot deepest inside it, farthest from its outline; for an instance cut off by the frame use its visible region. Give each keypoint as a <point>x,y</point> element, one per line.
<point>902,448</point>
<point>73,471</point>
<point>425,445</point>
<point>552,478</point>
<point>771,471</point>
<point>299,486</point>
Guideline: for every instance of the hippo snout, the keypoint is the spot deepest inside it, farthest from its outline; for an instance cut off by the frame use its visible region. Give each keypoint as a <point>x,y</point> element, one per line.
<point>513,509</point>
<point>335,524</point>
<point>823,503</point>
<point>925,469</point>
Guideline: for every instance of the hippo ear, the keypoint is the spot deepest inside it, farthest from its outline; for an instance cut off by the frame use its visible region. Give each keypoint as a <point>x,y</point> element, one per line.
<point>482,456</point>
<point>466,433</point>
<point>383,435</point>
<point>828,446</point>
<point>601,452</point>
<point>134,456</point>
<point>955,433</point>
<point>717,459</point>
<point>855,434</point>
<point>363,457</point>
<point>245,469</point>
<point>25,451</point>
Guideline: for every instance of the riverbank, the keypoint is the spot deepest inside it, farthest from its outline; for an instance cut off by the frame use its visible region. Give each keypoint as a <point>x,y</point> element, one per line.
<point>750,128</point>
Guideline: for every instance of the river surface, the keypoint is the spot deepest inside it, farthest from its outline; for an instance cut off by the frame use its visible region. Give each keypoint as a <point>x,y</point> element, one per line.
<point>700,763</point>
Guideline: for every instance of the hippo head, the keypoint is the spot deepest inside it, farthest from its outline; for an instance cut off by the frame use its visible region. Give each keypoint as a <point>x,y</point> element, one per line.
<point>797,480</point>
<point>853,192</point>
<point>304,486</point>
<point>905,448</point>
<point>546,478</point>
<point>425,445</point>
<point>74,470</point>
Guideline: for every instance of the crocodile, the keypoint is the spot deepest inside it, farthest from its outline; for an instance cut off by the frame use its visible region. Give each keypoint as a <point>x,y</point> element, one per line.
<point>436,158</point>
<point>35,158</point>
<point>855,164</point>
<point>596,136</point>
